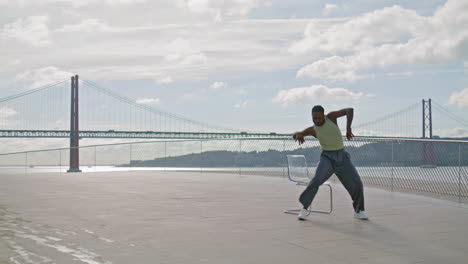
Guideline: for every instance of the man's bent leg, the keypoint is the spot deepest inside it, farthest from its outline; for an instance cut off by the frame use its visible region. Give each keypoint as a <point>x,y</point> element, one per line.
<point>350,179</point>
<point>324,172</point>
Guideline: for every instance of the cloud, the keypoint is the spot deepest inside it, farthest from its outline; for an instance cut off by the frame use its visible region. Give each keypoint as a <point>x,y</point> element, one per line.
<point>148,100</point>
<point>328,9</point>
<point>124,2</point>
<point>217,85</point>
<point>193,59</point>
<point>183,53</point>
<point>385,37</point>
<point>377,27</point>
<point>77,3</point>
<point>87,25</point>
<point>314,92</point>
<point>241,91</point>
<point>242,104</point>
<point>5,113</point>
<point>32,30</point>
<point>218,10</point>
<point>333,69</point>
<point>460,98</point>
<point>453,132</point>
<point>164,80</point>
<point>104,47</point>
<point>43,76</point>
<point>201,93</point>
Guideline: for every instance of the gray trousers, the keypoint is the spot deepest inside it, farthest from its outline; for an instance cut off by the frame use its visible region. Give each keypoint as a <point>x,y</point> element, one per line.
<point>337,162</point>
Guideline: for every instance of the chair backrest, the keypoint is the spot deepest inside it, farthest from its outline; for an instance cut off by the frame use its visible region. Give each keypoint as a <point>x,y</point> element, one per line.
<point>297,169</point>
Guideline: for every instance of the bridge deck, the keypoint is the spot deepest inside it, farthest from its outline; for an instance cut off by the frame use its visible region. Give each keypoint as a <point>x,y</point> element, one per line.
<point>157,217</point>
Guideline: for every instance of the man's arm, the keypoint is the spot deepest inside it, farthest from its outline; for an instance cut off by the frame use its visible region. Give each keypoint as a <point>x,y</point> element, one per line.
<point>349,113</point>
<point>299,136</point>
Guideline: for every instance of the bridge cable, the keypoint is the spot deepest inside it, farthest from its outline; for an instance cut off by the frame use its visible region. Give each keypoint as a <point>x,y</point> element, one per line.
<point>152,109</point>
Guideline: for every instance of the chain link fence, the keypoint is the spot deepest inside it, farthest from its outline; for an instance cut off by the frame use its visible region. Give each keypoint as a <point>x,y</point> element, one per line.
<point>432,166</point>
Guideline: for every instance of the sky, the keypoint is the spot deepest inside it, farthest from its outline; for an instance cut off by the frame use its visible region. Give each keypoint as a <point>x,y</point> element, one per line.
<point>256,65</point>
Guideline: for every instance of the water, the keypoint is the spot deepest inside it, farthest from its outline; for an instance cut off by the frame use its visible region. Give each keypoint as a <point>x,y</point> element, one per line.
<point>438,174</point>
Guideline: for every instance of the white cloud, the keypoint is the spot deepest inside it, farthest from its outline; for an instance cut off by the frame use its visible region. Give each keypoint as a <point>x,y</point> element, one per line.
<point>314,92</point>
<point>378,27</point>
<point>241,91</point>
<point>193,59</point>
<point>328,9</point>
<point>76,3</point>
<point>385,37</point>
<point>217,85</point>
<point>242,104</point>
<point>5,113</point>
<point>105,48</point>
<point>43,76</point>
<point>453,132</point>
<point>87,25</point>
<point>183,52</point>
<point>220,9</point>
<point>124,2</point>
<point>32,30</point>
<point>164,80</point>
<point>332,68</point>
<point>148,100</point>
<point>459,98</point>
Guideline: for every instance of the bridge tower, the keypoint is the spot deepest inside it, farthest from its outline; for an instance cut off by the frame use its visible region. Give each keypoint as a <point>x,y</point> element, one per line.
<point>74,128</point>
<point>427,151</point>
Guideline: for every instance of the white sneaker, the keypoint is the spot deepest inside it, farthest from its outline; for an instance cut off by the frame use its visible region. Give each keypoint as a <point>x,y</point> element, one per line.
<point>361,215</point>
<point>303,214</point>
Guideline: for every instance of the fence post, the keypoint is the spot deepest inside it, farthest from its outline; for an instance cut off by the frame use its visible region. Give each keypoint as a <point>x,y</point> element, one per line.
<point>165,155</point>
<point>26,163</point>
<point>459,172</point>
<point>393,164</point>
<point>284,161</point>
<point>60,161</point>
<point>240,153</point>
<point>201,157</point>
<point>130,157</point>
<point>95,159</point>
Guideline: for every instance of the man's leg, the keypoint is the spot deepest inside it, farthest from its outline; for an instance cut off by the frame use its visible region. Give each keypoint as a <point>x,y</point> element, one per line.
<point>349,177</point>
<point>323,173</point>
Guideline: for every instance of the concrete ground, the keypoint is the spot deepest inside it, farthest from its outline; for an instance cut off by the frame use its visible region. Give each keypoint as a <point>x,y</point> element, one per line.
<point>157,217</point>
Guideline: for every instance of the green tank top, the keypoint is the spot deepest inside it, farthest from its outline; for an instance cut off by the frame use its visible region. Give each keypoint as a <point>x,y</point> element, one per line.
<point>329,135</point>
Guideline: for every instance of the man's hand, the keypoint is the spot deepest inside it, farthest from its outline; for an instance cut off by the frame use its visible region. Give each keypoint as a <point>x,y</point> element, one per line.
<point>299,136</point>
<point>349,134</point>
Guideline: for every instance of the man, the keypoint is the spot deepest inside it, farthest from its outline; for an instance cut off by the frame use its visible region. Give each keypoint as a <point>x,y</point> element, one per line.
<point>333,159</point>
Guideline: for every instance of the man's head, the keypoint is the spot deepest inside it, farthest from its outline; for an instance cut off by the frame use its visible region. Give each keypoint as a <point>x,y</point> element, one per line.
<point>318,115</point>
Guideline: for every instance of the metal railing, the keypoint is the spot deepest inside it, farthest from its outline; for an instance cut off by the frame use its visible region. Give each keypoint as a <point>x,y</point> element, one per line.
<point>432,166</point>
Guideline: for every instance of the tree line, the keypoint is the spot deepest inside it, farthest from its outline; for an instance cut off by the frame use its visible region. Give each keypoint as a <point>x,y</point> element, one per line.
<point>371,154</point>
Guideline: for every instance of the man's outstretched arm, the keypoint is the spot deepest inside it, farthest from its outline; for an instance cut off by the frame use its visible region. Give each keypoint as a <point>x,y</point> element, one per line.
<point>299,136</point>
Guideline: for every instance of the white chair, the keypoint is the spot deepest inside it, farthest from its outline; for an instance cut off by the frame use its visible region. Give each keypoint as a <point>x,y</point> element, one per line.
<point>298,173</point>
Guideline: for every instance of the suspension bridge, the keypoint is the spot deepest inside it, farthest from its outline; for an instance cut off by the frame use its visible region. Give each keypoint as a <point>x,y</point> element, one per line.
<point>79,108</point>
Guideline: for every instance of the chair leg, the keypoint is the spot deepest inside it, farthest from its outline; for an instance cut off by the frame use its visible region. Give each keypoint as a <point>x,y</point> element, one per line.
<point>296,211</point>
<point>331,203</point>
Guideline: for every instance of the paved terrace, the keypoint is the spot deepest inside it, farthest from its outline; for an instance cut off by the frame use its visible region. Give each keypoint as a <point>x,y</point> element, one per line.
<point>157,217</point>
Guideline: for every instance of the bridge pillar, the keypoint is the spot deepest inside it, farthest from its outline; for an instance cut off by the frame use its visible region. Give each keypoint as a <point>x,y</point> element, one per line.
<point>74,128</point>
<point>427,148</point>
